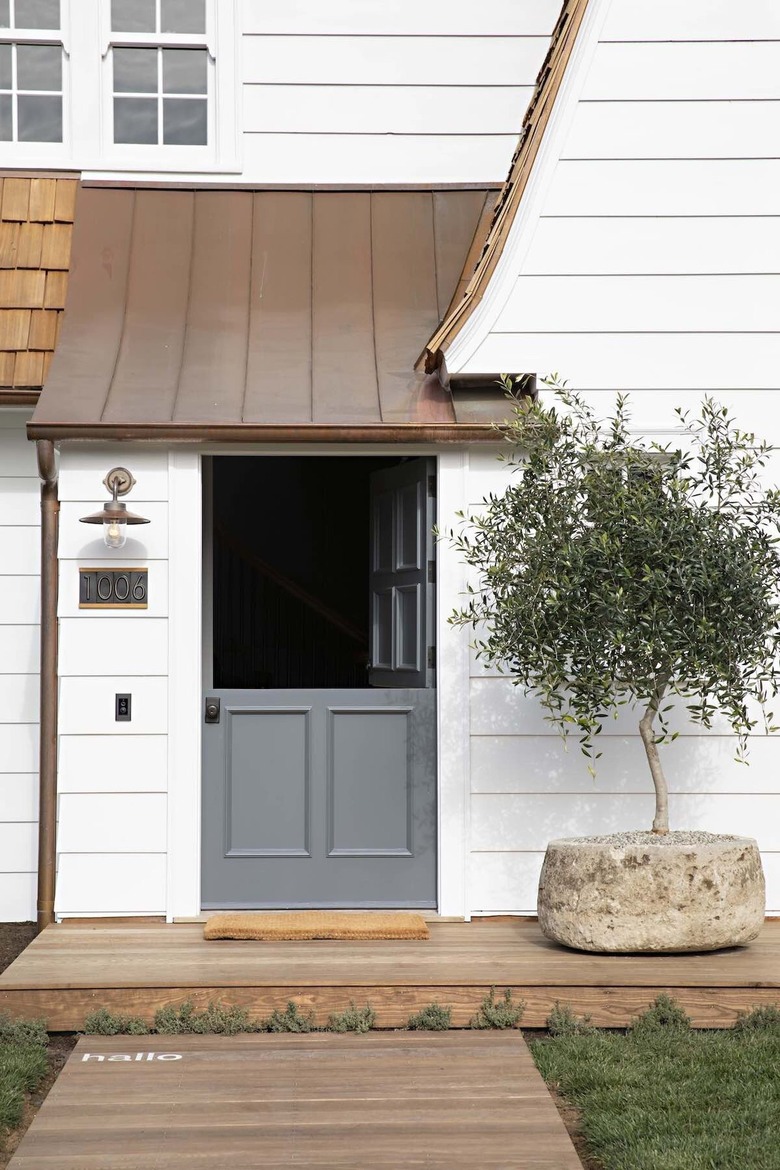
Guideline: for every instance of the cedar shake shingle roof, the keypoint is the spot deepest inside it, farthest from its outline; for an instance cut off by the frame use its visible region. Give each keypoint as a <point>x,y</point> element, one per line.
<point>36,223</point>
<point>480,264</point>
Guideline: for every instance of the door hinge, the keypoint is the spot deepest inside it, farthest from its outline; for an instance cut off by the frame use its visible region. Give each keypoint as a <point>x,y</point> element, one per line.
<point>432,486</point>
<point>431,658</point>
<point>431,572</point>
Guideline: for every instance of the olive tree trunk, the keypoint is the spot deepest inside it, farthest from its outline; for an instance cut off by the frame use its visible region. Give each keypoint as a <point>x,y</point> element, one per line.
<point>661,819</point>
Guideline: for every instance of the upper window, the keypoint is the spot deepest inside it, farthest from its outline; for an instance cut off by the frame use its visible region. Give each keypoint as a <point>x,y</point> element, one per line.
<point>161,72</point>
<point>31,68</point>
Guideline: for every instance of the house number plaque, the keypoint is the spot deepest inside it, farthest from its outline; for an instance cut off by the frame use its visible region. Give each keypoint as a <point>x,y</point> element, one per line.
<point>113,588</point>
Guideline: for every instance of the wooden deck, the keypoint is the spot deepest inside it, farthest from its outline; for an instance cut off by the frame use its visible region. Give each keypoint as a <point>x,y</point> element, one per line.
<point>453,1101</point>
<point>135,968</point>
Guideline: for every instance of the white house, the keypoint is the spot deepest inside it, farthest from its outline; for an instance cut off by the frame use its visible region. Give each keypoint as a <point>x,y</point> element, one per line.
<point>266,259</point>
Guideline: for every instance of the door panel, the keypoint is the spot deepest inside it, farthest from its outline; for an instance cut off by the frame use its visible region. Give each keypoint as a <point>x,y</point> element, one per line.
<point>402,545</point>
<point>370,808</point>
<point>320,798</point>
<point>272,820</point>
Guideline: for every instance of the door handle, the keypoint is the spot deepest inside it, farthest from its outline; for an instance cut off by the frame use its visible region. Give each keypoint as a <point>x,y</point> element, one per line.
<point>212,711</point>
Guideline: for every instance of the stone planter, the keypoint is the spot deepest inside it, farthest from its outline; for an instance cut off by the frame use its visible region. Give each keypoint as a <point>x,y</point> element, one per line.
<point>643,892</point>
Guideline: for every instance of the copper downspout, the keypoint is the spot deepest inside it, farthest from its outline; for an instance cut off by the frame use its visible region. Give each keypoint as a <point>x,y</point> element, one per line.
<point>47,816</point>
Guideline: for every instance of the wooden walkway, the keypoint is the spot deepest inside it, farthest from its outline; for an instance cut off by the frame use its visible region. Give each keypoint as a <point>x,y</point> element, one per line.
<point>452,1101</point>
<point>135,968</point>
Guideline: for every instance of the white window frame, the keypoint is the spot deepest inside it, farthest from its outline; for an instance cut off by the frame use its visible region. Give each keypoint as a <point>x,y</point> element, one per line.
<point>37,155</point>
<point>221,152</point>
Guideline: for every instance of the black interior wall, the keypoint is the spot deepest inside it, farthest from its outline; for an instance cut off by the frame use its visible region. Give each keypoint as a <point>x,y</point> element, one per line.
<point>291,559</point>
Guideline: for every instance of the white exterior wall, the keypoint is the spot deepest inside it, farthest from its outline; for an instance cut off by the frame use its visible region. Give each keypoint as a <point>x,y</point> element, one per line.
<point>525,788</point>
<point>352,91</point>
<point>646,257</point>
<point>19,654</point>
<point>113,777</point>
<point>430,92</point>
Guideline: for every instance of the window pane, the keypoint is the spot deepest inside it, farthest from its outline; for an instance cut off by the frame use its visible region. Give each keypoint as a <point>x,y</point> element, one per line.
<point>37,14</point>
<point>135,120</point>
<point>5,66</point>
<point>183,16</point>
<point>135,71</point>
<point>6,125</point>
<point>133,16</point>
<point>40,118</point>
<point>184,70</point>
<point>184,122</point>
<point>5,14</point>
<point>39,67</point>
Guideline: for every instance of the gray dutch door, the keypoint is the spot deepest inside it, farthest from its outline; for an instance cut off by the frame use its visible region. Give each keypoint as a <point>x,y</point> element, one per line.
<point>327,797</point>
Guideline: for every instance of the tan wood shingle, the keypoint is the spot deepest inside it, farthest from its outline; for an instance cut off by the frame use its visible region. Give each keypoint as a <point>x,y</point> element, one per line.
<point>29,248</point>
<point>56,246</point>
<point>42,198</point>
<point>28,370</point>
<point>14,329</point>
<point>22,288</point>
<point>36,225</point>
<point>43,329</point>
<point>9,243</point>
<point>16,199</point>
<point>65,201</point>
<point>56,290</point>
<point>7,363</point>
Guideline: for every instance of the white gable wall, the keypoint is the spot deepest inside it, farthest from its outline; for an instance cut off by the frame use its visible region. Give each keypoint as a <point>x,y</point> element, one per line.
<point>653,267</point>
<point>653,264</point>
<point>352,91</point>
<point>19,656</point>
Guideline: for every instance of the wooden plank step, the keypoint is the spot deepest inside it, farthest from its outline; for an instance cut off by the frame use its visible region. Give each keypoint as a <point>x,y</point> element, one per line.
<point>441,1100</point>
<point>137,968</point>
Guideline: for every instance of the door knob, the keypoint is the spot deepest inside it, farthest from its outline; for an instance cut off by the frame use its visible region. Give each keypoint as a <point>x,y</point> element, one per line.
<point>212,710</point>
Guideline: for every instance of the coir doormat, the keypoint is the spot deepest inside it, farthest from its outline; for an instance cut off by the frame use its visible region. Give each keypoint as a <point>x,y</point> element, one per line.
<point>315,924</point>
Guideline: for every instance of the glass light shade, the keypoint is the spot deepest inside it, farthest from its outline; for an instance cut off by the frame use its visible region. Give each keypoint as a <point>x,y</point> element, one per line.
<point>115,532</point>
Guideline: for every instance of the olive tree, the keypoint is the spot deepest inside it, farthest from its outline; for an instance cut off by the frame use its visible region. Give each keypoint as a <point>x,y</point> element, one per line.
<point>618,572</point>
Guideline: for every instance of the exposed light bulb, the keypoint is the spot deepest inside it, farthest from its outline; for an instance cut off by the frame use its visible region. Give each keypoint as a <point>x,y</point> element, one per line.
<point>114,534</point>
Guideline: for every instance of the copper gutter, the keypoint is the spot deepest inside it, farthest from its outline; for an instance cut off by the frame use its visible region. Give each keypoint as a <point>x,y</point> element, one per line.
<point>47,816</point>
<point>19,397</point>
<point>184,432</point>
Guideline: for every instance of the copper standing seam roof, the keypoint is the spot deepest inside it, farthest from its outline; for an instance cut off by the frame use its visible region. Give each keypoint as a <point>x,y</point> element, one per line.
<point>479,267</point>
<point>240,314</point>
<point>36,222</point>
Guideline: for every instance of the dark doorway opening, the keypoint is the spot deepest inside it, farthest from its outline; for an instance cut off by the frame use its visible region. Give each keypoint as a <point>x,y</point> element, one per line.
<point>291,538</point>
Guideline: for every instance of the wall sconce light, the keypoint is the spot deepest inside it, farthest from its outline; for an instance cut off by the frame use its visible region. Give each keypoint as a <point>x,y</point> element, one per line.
<point>115,517</point>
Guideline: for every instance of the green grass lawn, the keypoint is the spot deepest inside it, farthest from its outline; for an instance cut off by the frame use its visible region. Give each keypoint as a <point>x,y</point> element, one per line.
<point>665,1097</point>
<point>23,1063</point>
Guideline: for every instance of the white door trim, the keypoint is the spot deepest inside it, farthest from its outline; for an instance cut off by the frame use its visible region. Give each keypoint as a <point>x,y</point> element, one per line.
<point>452,681</point>
<point>184,682</point>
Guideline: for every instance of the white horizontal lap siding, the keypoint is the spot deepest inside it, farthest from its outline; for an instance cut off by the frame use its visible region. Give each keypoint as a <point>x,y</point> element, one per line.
<point>112,777</point>
<point>365,159</point>
<point>654,260</point>
<point>526,788</point>
<point>398,17</point>
<point>19,667</point>
<point>356,93</point>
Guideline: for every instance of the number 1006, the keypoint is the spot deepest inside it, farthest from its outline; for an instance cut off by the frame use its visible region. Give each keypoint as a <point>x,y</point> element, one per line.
<point>113,588</point>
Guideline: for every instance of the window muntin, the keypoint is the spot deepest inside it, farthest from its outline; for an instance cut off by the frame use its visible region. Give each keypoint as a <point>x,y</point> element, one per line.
<point>31,72</point>
<point>160,89</point>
